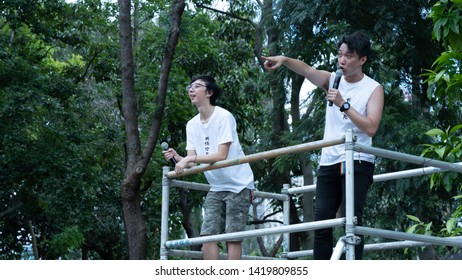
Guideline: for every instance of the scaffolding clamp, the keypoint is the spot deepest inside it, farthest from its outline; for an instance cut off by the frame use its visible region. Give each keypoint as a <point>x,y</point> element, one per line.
<point>351,240</point>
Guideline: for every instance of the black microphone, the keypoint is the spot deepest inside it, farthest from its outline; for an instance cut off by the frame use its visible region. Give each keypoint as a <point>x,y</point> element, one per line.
<point>164,146</point>
<point>338,76</point>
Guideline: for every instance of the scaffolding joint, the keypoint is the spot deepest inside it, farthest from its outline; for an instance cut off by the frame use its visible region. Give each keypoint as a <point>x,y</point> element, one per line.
<point>351,240</point>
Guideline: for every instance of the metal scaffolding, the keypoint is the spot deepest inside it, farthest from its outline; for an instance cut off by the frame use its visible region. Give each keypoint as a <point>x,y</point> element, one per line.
<point>345,244</point>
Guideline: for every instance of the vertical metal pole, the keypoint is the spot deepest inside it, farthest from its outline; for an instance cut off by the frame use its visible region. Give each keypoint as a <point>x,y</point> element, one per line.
<point>349,196</point>
<point>166,183</point>
<point>286,217</point>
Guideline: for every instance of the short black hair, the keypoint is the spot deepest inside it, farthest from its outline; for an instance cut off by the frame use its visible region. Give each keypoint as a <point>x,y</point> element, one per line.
<point>358,42</point>
<point>211,85</point>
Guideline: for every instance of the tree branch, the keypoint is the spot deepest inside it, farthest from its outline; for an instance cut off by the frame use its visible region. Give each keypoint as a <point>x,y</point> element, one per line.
<point>227,14</point>
<point>11,209</point>
<point>177,13</point>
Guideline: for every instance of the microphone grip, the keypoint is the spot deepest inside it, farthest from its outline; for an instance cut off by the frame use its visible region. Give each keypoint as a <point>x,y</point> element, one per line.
<point>338,76</point>
<point>164,146</point>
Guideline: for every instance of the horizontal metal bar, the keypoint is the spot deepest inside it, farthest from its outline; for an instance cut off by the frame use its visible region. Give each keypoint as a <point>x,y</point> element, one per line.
<point>367,248</point>
<point>206,187</point>
<point>222,256</point>
<point>302,189</point>
<point>408,158</point>
<point>191,185</point>
<point>394,245</point>
<point>409,173</point>
<point>447,241</point>
<point>382,177</point>
<point>277,196</point>
<point>258,156</point>
<point>256,232</point>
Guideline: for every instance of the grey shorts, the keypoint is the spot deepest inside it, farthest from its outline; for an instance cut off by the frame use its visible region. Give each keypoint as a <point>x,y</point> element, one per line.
<point>225,212</point>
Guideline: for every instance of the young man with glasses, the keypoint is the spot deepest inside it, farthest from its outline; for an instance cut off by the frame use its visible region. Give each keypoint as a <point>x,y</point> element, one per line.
<point>211,136</point>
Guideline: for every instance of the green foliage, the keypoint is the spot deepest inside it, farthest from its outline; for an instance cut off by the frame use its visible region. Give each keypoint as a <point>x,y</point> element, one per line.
<point>420,227</point>
<point>444,85</point>
<point>447,23</point>
<point>445,79</point>
<point>446,146</point>
<point>60,149</point>
<point>451,226</point>
<point>70,239</point>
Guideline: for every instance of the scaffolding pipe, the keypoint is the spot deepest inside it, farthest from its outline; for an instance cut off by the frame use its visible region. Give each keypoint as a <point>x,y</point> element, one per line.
<point>222,256</point>
<point>349,240</point>
<point>206,188</point>
<point>338,250</point>
<point>191,185</point>
<point>349,197</point>
<point>367,248</point>
<point>394,245</point>
<point>409,173</point>
<point>302,189</point>
<point>281,197</point>
<point>256,233</point>
<point>164,213</point>
<point>408,158</point>
<point>447,241</point>
<point>258,156</point>
<point>286,218</point>
<point>382,177</point>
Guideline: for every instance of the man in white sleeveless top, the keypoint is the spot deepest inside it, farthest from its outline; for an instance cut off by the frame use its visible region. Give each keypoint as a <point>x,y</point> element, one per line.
<point>357,104</point>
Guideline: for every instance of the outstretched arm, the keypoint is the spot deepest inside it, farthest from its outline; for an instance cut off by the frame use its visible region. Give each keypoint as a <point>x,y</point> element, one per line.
<point>319,78</point>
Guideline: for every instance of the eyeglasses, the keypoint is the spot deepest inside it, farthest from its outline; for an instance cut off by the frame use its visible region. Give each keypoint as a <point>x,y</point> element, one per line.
<point>194,86</point>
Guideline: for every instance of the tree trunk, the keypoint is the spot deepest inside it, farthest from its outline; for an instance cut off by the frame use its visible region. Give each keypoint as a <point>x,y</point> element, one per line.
<point>279,117</point>
<point>306,238</point>
<point>136,160</point>
<point>33,239</point>
<point>307,202</point>
<point>133,218</point>
<point>189,224</point>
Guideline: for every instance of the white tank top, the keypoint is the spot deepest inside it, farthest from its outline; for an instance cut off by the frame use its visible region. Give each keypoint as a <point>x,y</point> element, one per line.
<point>337,123</point>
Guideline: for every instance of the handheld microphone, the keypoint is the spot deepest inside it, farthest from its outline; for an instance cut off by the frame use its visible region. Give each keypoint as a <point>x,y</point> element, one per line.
<point>338,76</point>
<point>164,146</point>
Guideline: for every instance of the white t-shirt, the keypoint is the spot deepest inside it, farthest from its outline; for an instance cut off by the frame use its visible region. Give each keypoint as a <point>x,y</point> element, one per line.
<point>205,138</point>
<point>337,123</point>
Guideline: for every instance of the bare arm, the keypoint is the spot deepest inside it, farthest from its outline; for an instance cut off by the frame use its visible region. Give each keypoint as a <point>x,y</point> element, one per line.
<point>369,123</point>
<point>192,158</point>
<point>221,154</point>
<point>319,78</point>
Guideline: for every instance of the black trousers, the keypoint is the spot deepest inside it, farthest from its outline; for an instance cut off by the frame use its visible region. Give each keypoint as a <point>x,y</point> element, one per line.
<point>330,195</point>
